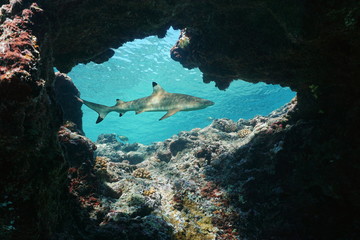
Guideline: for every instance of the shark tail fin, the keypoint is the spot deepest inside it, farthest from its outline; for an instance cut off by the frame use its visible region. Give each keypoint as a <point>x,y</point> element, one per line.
<point>102,110</point>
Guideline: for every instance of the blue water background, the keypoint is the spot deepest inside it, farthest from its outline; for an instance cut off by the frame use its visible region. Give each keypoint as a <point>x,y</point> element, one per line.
<point>129,74</point>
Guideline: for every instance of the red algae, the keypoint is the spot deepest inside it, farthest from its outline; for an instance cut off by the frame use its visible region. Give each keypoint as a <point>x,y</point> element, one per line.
<point>19,54</point>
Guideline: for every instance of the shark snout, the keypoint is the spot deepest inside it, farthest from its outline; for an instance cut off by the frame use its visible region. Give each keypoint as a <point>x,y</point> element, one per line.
<point>208,103</point>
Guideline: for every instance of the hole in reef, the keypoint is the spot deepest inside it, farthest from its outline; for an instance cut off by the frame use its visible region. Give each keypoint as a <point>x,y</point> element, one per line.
<point>128,75</point>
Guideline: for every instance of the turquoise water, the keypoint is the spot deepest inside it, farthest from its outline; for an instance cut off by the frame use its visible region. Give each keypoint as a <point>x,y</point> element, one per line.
<point>129,75</point>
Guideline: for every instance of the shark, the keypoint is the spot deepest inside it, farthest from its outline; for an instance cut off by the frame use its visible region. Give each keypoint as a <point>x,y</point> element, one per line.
<point>159,101</point>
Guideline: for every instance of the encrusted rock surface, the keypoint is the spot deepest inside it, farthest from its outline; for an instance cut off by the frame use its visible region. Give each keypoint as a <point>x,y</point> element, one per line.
<point>222,185</point>
<point>199,190</point>
<point>283,179</point>
<point>66,93</point>
<point>215,183</point>
<point>32,168</point>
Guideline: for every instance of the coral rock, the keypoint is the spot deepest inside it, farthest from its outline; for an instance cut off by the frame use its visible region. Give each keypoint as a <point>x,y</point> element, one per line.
<point>142,173</point>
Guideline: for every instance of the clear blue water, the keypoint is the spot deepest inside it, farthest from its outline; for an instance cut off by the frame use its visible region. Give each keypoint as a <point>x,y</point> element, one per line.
<point>129,75</point>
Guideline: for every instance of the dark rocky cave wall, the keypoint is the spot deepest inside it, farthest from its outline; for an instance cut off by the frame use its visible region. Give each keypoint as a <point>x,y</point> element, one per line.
<point>32,170</point>
<point>311,46</point>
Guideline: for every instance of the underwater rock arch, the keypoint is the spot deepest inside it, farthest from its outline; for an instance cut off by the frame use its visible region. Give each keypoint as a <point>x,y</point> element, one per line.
<point>312,47</point>
<point>273,42</point>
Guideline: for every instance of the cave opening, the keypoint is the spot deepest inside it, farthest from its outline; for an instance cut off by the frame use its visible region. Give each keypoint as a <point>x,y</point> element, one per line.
<point>128,75</point>
<point>293,175</point>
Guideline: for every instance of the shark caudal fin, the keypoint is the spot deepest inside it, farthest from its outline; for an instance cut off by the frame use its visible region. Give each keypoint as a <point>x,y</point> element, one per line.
<point>102,110</point>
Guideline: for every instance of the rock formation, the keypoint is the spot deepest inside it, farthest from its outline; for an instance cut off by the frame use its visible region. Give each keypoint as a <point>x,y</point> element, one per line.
<point>298,180</point>
<point>196,189</point>
<point>65,92</point>
<point>32,167</point>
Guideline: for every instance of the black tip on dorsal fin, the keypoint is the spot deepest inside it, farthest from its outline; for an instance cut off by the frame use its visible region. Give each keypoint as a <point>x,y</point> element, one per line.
<point>99,119</point>
<point>117,99</point>
<point>154,84</point>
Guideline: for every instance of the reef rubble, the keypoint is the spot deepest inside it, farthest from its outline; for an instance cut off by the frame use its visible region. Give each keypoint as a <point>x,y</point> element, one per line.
<point>225,181</point>
<point>192,184</point>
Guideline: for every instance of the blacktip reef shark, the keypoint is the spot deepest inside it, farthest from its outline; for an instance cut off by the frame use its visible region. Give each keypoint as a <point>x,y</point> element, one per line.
<point>159,101</point>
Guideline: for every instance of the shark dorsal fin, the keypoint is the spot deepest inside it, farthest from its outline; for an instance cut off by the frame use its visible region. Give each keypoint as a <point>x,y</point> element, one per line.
<point>118,101</point>
<point>157,88</point>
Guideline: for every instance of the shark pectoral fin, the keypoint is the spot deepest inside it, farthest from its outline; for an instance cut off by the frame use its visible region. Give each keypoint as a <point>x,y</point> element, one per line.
<point>140,111</point>
<point>99,119</point>
<point>170,113</point>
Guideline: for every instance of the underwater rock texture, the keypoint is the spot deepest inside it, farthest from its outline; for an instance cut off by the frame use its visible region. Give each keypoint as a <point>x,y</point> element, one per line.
<point>66,93</point>
<point>32,167</point>
<point>212,186</point>
<point>197,191</point>
<point>288,179</point>
<point>233,180</point>
<point>312,46</point>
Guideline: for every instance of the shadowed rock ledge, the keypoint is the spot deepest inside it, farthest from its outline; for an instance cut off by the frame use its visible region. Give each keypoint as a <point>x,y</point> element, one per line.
<point>300,183</point>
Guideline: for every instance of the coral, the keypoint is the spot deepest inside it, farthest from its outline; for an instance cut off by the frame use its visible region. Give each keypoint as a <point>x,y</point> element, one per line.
<point>197,225</point>
<point>142,173</point>
<point>100,168</point>
<point>224,125</point>
<point>244,132</point>
<point>149,192</point>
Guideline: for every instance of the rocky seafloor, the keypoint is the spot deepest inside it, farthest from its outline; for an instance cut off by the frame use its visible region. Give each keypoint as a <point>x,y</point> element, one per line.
<point>297,179</point>
<point>191,186</point>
